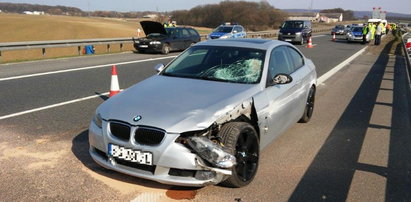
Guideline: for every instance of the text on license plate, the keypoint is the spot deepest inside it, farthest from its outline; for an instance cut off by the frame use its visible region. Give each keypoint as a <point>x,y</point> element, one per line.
<point>130,155</point>
<point>143,46</point>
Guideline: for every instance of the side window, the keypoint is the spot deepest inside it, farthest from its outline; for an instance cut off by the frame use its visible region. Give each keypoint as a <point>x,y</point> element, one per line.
<point>177,33</point>
<point>193,32</point>
<point>185,33</point>
<point>279,62</point>
<point>296,58</point>
<point>238,29</point>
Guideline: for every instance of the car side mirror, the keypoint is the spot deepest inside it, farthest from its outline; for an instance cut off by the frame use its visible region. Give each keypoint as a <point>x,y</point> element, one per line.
<point>282,79</point>
<point>235,31</point>
<point>159,67</point>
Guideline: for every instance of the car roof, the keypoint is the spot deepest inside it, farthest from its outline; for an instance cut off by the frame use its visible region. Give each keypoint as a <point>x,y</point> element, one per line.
<point>243,43</point>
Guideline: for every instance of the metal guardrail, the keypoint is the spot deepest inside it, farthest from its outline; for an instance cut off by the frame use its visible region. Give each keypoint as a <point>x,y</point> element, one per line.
<point>43,45</point>
<point>62,43</point>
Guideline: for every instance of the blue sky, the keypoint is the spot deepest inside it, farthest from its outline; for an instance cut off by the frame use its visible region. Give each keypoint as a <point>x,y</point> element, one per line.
<point>397,6</point>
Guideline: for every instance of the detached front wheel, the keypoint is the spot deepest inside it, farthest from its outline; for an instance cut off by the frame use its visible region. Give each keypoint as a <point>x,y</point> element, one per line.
<point>241,140</point>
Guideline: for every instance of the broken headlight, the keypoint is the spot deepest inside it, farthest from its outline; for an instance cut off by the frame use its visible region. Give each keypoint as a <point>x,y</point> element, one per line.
<point>211,152</point>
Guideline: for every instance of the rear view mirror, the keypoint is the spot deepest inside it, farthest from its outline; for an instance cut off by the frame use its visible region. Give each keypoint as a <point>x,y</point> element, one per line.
<point>159,67</point>
<point>282,79</point>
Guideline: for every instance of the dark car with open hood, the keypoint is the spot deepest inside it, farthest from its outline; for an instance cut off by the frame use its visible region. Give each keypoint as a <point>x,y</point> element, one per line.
<point>161,39</point>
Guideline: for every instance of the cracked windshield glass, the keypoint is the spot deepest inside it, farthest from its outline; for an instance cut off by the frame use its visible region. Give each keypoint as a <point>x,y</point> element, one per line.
<point>228,64</point>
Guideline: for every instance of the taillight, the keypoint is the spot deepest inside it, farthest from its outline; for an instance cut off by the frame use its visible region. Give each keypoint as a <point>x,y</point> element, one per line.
<point>408,45</point>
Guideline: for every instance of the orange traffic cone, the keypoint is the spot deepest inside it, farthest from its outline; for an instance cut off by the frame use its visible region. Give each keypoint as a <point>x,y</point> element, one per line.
<point>310,43</point>
<point>114,86</point>
<point>333,36</point>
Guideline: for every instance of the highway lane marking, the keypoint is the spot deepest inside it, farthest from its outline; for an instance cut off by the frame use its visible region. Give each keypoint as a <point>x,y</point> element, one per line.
<point>52,106</point>
<point>337,68</point>
<point>316,36</point>
<point>83,68</point>
<point>320,80</point>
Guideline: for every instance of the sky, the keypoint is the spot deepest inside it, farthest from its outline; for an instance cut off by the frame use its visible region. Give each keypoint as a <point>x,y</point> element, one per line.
<point>396,6</point>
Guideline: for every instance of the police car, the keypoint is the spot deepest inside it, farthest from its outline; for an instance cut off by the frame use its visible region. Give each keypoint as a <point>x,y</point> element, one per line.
<point>228,30</point>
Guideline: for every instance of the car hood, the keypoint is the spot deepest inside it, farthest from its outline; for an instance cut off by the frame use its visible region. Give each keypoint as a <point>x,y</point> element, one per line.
<point>176,104</point>
<point>152,27</point>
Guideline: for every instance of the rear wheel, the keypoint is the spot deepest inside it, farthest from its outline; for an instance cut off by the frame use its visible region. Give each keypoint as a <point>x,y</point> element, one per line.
<point>309,106</point>
<point>241,140</point>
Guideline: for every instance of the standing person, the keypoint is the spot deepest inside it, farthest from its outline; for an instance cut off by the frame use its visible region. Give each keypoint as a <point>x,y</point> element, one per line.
<point>371,28</point>
<point>364,33</point>
<point>378,33</point>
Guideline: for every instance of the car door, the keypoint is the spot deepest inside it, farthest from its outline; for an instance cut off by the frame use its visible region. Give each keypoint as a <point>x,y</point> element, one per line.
<point>177,41</point>
<point>186,38</point>
<point>301,74</point>
<point>282,100</point>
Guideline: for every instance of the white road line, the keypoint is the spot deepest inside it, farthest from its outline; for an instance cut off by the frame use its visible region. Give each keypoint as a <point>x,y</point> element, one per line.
<point>316,36</point>
<point>337,68</point>
<point>51,106</point>
<point>83,68</point>
<point>320,80</point>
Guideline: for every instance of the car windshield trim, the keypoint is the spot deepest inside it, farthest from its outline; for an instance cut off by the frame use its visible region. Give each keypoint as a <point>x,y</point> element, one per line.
<point>218,63</point>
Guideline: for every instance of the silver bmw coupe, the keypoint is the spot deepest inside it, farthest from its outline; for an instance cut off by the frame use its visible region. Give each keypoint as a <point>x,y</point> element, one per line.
<point>205,117</point>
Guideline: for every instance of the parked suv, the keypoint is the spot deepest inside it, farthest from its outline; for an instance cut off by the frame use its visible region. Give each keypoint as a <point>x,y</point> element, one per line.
<point>164,40</point>
<point>295,31</point>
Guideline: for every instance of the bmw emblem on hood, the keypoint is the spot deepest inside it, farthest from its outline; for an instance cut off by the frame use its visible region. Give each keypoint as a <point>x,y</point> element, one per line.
<point>137,118</point>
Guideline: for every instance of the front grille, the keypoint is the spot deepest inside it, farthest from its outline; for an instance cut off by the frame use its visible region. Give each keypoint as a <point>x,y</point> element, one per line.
<point>148,136</point>
<point>181,172</point>
<point>120,130</point>
<point>148,168</point>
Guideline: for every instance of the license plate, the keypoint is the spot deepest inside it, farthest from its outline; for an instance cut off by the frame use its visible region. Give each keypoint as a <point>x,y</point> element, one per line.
<point>288,40</point>
<point>143,46</point>
<point>130,154</point>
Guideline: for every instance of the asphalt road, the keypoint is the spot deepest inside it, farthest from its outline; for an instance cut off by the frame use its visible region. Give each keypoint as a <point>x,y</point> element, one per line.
<point>356,148</point>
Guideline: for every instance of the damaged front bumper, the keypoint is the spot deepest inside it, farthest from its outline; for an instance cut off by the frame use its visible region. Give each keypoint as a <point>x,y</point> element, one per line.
<point>173,163</point>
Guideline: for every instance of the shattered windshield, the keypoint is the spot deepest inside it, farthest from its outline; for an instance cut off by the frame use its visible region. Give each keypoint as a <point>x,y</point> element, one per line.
<point>227,64</point>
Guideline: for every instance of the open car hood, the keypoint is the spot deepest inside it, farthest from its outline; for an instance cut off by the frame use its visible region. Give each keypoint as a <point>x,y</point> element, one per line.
<point>152,27</point>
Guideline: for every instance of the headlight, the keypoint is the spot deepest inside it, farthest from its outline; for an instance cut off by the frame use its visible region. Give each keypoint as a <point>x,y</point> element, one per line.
<point>298,33</point>
<point>155,42</point>
<point>136,41</point>
<point>225,36</point>
<point>98,120</point>
<point>212,152</point>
